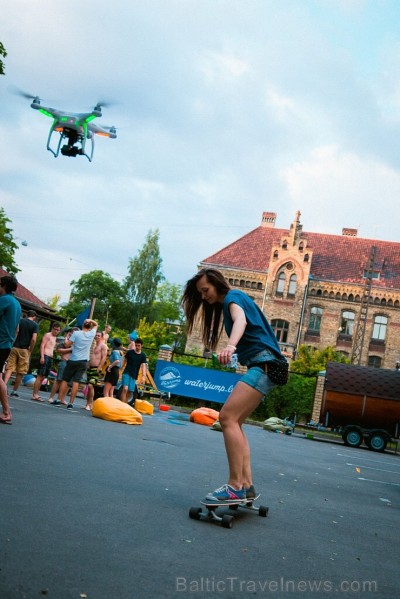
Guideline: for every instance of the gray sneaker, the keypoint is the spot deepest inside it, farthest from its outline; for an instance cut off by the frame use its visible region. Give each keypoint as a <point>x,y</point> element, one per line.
<point>250,492</point>
<point>14,394</point>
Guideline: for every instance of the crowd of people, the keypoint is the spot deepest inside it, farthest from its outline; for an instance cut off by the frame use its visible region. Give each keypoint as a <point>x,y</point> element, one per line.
<point>87,356</point>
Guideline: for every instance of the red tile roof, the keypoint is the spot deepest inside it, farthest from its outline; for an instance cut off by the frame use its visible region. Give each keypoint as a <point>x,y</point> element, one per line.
<point>24,294</point>
<point>335,257</point>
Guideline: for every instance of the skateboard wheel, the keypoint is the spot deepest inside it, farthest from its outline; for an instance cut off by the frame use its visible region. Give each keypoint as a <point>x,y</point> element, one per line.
<point>227,521</point>
<point>263,511</point>
<point>195,513</point>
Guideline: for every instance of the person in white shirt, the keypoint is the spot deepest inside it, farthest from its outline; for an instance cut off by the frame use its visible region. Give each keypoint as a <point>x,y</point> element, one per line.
<point>81,342</point>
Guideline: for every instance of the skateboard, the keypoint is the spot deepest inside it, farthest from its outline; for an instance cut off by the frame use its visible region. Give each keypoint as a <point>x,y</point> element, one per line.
<point>209,510</point>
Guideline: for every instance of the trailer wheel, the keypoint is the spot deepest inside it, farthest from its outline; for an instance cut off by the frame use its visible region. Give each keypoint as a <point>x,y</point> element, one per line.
<point>352,437</point>
<point>377,442</point>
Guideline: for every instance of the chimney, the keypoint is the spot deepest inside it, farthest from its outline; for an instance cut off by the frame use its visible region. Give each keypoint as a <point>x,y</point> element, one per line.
<point>268,219</point>
<point>346,232</point>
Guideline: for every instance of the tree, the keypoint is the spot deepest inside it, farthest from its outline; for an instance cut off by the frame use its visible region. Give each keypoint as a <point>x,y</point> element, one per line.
<point>8,246</point>
<point>4,54</point>
<point>144,276</point>
<point>312,361</point>
<point>166,307</point>
<point>95,284</point>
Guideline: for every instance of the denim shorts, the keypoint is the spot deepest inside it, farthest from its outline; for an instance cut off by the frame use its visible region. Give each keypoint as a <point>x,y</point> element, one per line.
<point>256,377</point>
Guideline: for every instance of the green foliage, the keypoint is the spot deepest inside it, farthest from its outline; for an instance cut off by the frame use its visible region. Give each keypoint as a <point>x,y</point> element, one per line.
<point>166,306</point>
<point>2,67</point>
<point>154,334</point>
<point>8,246</point>
<point>95,284</point>
<point>144,276</point>
<point>312,361</point>
<point>293,399</point>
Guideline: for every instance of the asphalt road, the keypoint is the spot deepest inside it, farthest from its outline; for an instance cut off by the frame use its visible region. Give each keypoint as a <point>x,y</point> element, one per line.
<point>99,510</point>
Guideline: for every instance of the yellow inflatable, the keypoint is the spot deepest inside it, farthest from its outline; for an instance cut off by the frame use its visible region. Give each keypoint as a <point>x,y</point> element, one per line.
<point>144,407</point>
<point>110,408</point>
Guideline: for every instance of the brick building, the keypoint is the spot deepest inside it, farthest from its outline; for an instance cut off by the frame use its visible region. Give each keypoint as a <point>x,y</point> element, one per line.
<point>318,289</point>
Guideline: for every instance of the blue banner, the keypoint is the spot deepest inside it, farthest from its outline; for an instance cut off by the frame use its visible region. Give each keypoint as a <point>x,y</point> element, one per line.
<point>192,381</point>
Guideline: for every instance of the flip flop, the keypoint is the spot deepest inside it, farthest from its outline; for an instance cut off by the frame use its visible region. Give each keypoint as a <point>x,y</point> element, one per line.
<point>37,399</point>
<point>5,420</point>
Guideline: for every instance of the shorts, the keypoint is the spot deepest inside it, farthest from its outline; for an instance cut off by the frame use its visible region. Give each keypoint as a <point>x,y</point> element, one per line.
<point>128,381</point>
<point>60,369</point>
<point>18,360</point>
<point>256,377</point>
<point>4,353</point>
<point>113,376</point>
<point>92,375</point>
<point>44,369</point>
<point>74,371</point>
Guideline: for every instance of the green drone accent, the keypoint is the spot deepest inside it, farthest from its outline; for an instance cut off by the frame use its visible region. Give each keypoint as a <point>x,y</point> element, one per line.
<point>46,113</point>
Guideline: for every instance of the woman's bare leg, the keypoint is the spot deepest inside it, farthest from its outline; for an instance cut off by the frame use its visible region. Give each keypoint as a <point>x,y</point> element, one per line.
<point>240,404</point>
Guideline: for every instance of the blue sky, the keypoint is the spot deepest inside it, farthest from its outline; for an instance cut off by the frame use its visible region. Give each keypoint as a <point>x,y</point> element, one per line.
<point>224,109</point>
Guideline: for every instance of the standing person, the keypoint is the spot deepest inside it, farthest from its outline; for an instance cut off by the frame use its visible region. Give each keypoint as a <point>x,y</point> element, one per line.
<point>20,355</point>
<point>112,374</point>
<point>106,334</point>
<point>81,342</point>
<point>252,338</point>
<point>47,348</point>
<point>65,354</point>
<point>97,360</point>
<point>134,358</point>
<point>10,313</point>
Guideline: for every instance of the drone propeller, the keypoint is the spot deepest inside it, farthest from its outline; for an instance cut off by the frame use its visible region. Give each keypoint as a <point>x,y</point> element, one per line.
<point>19,92</point>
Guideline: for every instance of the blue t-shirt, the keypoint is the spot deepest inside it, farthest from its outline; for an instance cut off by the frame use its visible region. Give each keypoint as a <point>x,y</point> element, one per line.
<point>258,334</point>
<point>116,355</point>
<point>10,314</point>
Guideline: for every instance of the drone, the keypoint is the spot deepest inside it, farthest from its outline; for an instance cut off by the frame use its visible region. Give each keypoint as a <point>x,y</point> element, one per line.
<point>74,129</point>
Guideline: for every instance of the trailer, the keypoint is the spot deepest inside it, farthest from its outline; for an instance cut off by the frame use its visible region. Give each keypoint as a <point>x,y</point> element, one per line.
<point>362,403</point>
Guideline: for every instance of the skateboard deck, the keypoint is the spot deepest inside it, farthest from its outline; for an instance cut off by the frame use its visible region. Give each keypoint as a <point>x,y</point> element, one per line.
<point>209,510</point>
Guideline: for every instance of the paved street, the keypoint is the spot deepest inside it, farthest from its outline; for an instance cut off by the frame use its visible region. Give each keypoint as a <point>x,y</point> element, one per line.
<point>99,510</point>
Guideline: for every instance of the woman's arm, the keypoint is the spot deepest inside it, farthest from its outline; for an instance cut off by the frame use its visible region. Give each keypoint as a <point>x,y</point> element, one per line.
<point>238,328</point>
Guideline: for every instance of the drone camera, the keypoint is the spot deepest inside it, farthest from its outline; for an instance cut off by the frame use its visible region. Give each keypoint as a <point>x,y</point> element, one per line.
<point>70,151</point>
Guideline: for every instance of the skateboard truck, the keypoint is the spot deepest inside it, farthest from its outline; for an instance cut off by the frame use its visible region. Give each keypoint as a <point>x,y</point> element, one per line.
<point>226,520</point>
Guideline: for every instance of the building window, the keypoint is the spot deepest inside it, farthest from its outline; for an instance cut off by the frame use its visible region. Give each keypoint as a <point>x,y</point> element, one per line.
<point>347,323</point>
<point>280,288</point>
<point>374,361</point>
<point>292,285</point>
<point>306,257</point>
<point>281,329</point>
<point>379,329</point>
<point>315,319</point>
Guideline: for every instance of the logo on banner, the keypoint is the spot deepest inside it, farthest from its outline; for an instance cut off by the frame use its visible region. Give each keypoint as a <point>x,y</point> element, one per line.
<point>170,377</point>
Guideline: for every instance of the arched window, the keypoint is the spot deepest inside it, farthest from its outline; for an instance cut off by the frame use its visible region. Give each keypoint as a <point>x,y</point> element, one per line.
<point>347,323</point>
<point>280,288</point>
<point>276,254</point>
<point>281,329</point>
<point>301,246</point>
<point>306,257</point>
<point>292,285</point>
<point>315,319</point>
<point>379,329</point>
<point>284,244</point>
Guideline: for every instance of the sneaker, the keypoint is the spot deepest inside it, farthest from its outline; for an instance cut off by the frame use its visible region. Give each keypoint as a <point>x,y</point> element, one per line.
<point>55,402</point>
<point>227,493</point>
<point>250,492</point>
<point>14,394</point>
<point>70,406</point>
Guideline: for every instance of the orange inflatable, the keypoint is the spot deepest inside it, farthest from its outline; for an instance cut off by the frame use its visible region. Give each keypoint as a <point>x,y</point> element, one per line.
<point>205,416</point>
<point>110,408</point>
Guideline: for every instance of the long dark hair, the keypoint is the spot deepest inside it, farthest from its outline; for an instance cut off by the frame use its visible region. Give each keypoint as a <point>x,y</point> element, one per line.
<point>211,314</point>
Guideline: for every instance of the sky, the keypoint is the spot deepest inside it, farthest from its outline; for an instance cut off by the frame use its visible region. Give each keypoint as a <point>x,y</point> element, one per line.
<point>223,108</point>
